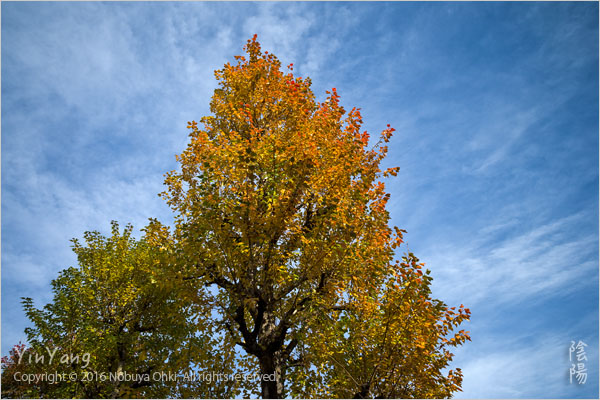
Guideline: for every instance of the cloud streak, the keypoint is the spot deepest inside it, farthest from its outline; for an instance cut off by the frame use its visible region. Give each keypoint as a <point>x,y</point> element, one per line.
<point>528,265</point>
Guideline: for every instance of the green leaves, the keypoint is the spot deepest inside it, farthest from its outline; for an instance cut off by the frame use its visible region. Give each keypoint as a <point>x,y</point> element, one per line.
<point>121,306</point>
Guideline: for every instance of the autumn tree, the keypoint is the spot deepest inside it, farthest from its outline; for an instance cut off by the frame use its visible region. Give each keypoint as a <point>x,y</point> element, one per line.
<point>281,263</point>
<point>281,222</point>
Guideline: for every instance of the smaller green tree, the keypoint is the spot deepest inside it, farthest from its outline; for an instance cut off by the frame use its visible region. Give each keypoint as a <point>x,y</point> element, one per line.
<point>119,307</point>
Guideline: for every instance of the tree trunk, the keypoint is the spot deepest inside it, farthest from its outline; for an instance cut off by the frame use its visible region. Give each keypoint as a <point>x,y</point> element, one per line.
<point>271,376</point>
<point>364,392</point>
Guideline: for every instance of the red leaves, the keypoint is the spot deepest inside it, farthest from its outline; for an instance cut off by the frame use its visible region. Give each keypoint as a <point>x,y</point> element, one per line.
<point>293,85</point>
<point>387,133</point>
<point>364,138</point>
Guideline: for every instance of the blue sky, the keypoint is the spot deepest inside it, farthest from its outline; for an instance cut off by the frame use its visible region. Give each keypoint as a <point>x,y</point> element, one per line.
<point>496,111</point>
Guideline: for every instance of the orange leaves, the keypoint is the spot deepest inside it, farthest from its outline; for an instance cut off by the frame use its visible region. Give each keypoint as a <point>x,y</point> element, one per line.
<point>279,195</point>
<point>252,47</point>
<point>379,187</point>
<point>393,171</point>
<point>364,138</point>
<point>395,333</point>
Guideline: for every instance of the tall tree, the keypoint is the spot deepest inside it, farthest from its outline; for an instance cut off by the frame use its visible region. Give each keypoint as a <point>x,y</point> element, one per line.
<point>281,245</point>
<point>282,224</point>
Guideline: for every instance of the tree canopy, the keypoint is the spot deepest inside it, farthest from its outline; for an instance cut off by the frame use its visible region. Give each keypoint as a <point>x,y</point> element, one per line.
<point>281,262</point>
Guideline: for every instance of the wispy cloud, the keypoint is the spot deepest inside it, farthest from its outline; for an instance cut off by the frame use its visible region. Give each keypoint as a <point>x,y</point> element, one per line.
<point>519,367</point>
<point>488,271</point>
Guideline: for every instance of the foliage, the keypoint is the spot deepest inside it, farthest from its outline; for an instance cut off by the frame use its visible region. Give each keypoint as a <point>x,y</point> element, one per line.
<point>15,364</point>
<point>391,345</point>
<point>120,309</point>
<point>280,209</point>
<point>281,262</point>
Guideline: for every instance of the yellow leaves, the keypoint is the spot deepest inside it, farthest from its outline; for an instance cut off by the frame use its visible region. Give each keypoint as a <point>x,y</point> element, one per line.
<point>279,192</point>
<point>250,303</point>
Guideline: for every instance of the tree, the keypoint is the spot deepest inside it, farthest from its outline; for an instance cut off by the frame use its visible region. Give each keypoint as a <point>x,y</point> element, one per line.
<point>282,226</point>
<point>281,263</point>
<point>119,309</point>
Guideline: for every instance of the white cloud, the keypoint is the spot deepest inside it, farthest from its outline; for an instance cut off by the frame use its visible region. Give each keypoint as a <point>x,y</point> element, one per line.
<point>80,62</point>
<point>280,29</point>
<point>505,135</point>
<point>524,365</point>
<point>508,369</point>
<point>543,261</point>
